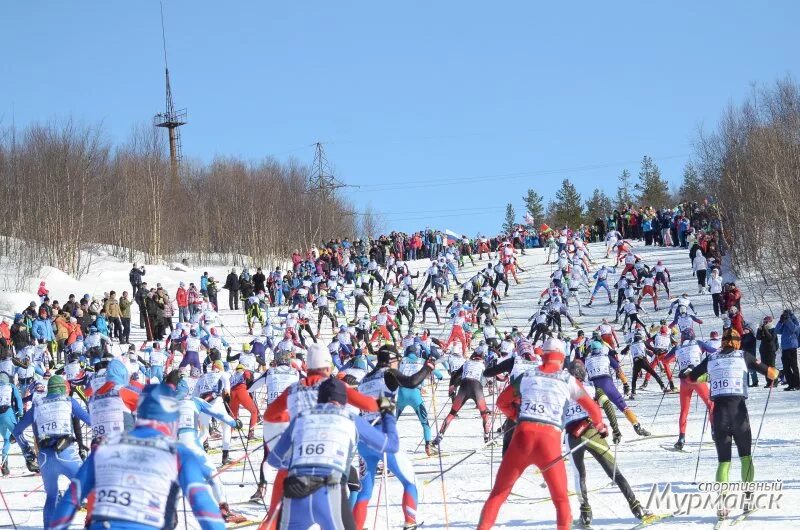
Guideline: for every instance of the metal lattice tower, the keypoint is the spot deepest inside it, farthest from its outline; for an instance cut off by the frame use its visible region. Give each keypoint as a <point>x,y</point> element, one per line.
<point>321,178</point>
<point>172,119</point>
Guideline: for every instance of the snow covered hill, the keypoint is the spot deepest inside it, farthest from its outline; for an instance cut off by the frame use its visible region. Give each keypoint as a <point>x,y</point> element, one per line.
<point>643,461</point>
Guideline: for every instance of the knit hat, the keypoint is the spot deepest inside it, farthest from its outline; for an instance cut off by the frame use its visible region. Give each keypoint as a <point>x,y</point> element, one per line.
<point>552,349</point>
<point>332,389</point>
<point>319,357</point>
<point>56,385</point>
<point>731,339</point>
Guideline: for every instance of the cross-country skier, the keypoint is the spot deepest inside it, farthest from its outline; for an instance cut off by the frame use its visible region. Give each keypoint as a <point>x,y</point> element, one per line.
<point>51,419</point>
<point>690,353</point>
<point>468,379</point>
<point>11,410</point>
<point>316,450</point>
<point>639,350</point>
<point>580,429</point>
<point>727,377</point>
<point>134,476</point>
<point>537,400</point>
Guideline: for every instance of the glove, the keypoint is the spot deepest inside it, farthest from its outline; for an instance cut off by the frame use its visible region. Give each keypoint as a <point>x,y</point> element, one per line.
<point>19,413</point>
<point>238,424</point>
<point>617,436</point>
<point>602,430</point>
<point>772,373</point>
<point>451,393</point>
<point>385,405</point>
<point>82,452</point>
<point>699,321</point>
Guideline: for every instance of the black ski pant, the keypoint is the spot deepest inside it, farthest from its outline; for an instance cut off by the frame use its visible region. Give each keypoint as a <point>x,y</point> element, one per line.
<point>640,364</point>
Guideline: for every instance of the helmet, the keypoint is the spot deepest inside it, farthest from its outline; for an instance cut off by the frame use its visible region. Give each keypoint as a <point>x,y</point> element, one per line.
<point>412,350</point>
<point>637,337</point>
<point>578,370</point>
<point>687,334</point>
<point>159,403</point>
<point>714,334</point>
<point>596,346</point>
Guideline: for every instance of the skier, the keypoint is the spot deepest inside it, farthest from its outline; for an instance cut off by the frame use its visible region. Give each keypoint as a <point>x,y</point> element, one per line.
<point>599,363</point>
<point>112,403</point>
<point>214,387</point>
<point>51,419</point>
<point>412,397</point>
<point>299,397</point>
<point>727,374</point>
<point>315,488</point>
<point>639,351</point>
<point>537,400</point>
<point>383,382</point>
<point>689,353</point>
<point>469,381</point>
<point>663,276</point>
<point>133,476</point>
<point>581,429</point>
<point>11,410</point>
<point>602,283</point>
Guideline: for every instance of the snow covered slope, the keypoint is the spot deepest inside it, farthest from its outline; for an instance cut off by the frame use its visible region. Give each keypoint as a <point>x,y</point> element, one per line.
<point>643,461</point>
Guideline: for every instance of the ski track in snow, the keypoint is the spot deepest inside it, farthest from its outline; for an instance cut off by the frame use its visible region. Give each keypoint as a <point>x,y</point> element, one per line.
<point>643,462</point>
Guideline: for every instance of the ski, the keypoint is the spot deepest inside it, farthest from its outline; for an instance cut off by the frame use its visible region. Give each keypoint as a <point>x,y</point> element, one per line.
<point>672,449</point>
<point>244,524</point>
<point>651,520</point>
<point>741,517</point>
<point>651,437</point>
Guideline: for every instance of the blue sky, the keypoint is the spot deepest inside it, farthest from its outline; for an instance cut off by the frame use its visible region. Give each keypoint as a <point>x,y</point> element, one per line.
<point>411,97</point>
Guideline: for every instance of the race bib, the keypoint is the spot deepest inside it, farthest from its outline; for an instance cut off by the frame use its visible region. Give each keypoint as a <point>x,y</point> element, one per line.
<point>108,414</point>
<point>598,366</point>
<point>53,417</point>
<point>323,440</point>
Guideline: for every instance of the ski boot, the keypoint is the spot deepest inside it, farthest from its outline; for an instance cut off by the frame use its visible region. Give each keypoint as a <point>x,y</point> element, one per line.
<point>31,464</point>
<point>590,303</point>
<point>410,526</point>
<point>258,496</point>
<point>632,397</point>
<point>205,445</point>
<point>665,389</point>
<point>486,437</point>
<point>641,431</point>
<point>748,505</point>
<point>230,517</point>
<point>626,388</point>
<point>638,510</point>
<point>430,450</point>
<point>436,441</point>
<point>672,388</point>
<point>644,385</point>
<point>679,444</point>
<point>586,515</point>
<point>251,434</point>
<point>226,459</point>
<point>6,472</point>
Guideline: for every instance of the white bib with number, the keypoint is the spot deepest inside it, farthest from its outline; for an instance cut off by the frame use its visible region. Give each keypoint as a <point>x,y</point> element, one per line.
<point>187,414</point>
<point>473,370</point>
<point>278,380</point>
<point>661,342</point>
<point>53,417</point>
<point>598,366</point>
<point>5,395</point>
<point>688,355</point>
<point>72,371</point>
<point>323,437</point>
<point>301,398</point>
<point>727,374</point>
<point>208,382</point>
<point>248,360</point>
<point>543,397</point>
<point>522,366</point>
<point>108,414</point>
<point>409,367</point>
<point>133,479</point>
<point>574,412</point>
<point>638,350</point>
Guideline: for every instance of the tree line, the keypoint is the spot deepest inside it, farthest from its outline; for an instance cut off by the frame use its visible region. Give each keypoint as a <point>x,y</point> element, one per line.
<point>568,206</point>
<point>66,188</point>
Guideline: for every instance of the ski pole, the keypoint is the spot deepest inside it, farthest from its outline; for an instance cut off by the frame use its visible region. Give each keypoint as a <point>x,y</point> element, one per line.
<point>699,449</point>
<point>614,474</point>
<point>470,454</point>
<point>663,394</point>
<point>386,487</point>
<point>8,510</point>
<point>441,465</point>
<point>758,434</point>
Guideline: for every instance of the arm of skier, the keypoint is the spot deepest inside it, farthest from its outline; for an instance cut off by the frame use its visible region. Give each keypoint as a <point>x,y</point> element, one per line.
<point>24,422</point>
<point>500,368</point>
<point>222,416</point>
<point>280,456</point>
<point>381,441</point>
<point>80,412</point>
<point>361,401</point>
<point>754,364</point>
